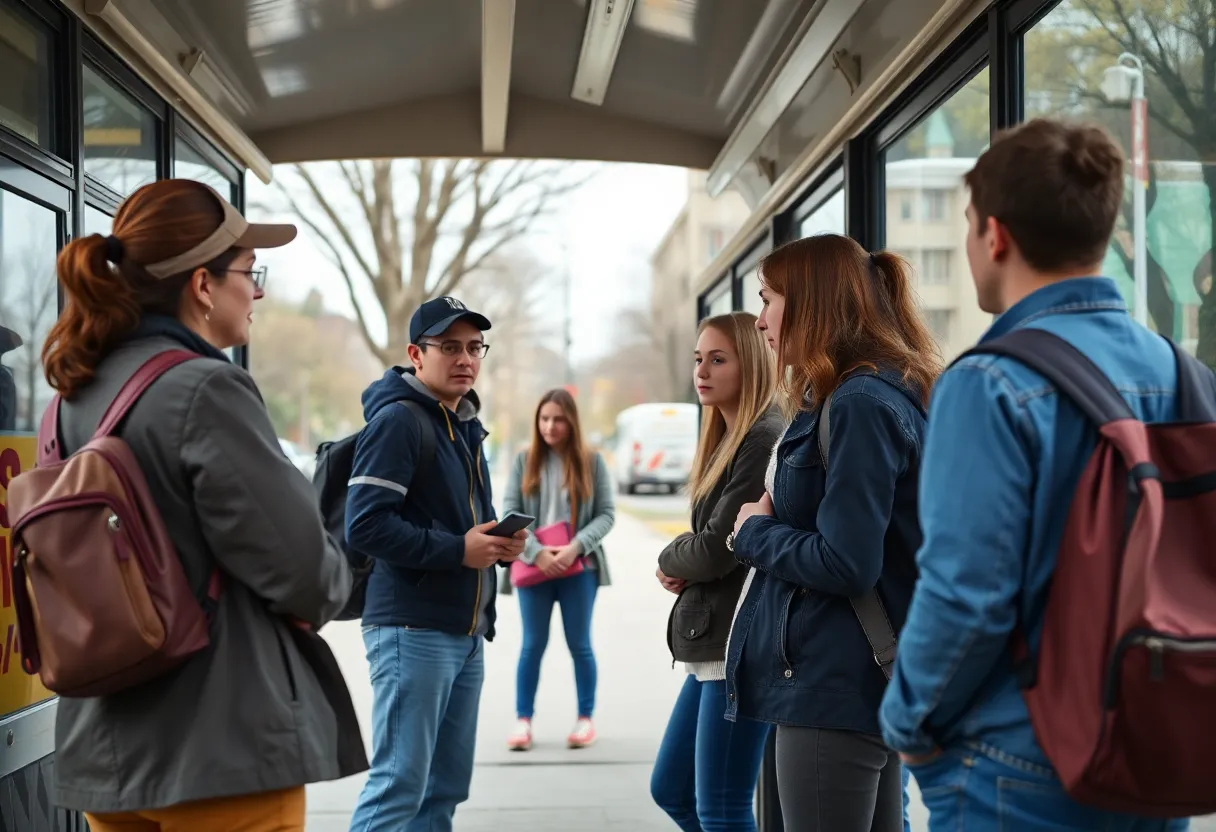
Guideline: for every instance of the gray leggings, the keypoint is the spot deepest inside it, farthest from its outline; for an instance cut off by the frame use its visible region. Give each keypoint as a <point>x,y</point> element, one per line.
<point>838,781</point>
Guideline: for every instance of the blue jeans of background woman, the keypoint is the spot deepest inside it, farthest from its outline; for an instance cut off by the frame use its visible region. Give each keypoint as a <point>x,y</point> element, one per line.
<point>706,771</point>
<point>576,597</point>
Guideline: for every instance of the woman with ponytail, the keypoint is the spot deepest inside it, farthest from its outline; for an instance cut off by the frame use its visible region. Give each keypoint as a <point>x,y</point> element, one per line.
<point>832,542</point>
<point>228,739</point>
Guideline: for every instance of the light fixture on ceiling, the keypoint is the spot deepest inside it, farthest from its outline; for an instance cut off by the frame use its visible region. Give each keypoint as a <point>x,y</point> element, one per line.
<point>607,21</point>
<point>208,76</point>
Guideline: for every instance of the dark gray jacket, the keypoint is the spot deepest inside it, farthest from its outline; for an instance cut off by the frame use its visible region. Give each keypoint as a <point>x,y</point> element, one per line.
<point>701,617</point>
<point>249,714</point>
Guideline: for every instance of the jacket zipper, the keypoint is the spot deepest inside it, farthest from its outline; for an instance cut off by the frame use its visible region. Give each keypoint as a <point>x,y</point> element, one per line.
<point>473,508</point>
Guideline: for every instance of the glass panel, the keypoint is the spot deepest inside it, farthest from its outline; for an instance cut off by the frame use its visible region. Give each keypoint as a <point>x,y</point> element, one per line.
<point>26,100</point>
<point>1068,56</point>
<point>97,222</point>
<point>751,292</point>
<point>119,136</point>
<point>926,201</point>
<point>828,218</point>
<point>190,164</point>
<point>719,303</point>
<point>29,304</point>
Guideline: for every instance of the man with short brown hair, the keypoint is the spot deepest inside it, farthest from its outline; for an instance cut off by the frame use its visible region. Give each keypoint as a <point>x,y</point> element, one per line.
<point>1003,454</point>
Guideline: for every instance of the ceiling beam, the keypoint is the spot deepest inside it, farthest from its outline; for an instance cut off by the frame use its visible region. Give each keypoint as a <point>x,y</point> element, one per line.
<point>497,37</point>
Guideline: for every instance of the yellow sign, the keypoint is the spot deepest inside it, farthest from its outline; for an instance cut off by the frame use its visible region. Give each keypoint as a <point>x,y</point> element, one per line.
<point>17,688</point>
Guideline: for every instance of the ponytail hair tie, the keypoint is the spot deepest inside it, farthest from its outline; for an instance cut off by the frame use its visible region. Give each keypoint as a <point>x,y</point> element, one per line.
<point>113,249</point>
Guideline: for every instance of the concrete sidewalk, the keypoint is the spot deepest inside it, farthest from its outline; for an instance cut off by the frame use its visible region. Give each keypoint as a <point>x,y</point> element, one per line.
<point>552,788</point>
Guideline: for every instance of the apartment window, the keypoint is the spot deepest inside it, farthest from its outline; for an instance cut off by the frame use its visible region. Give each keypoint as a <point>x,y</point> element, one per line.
<point>905,208</point>
<point>933,205</point>
<point>935,267</point>
<point>941,323</point>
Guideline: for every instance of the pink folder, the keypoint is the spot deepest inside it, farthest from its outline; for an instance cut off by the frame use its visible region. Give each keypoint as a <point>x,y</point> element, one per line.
<point>554,535</point>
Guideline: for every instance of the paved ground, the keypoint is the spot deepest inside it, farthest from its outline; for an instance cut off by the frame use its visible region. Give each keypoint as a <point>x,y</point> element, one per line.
<point>552,789</point>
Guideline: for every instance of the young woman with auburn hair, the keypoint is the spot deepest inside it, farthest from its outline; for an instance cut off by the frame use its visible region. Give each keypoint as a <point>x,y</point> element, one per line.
<point>705,775</point>
<point>194,749</point>
<point>832,538</point>
<point>564,485</point>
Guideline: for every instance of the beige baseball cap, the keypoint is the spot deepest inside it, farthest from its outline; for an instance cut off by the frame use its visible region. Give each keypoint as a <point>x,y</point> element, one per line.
<point>234,232</point>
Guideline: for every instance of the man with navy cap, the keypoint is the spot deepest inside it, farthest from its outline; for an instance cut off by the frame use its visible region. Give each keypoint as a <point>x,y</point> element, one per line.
<point>430,597</point>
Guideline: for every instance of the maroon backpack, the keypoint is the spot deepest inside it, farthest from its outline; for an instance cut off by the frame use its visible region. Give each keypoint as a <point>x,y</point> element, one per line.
<point>1122,688</point>
<point>102,599</point>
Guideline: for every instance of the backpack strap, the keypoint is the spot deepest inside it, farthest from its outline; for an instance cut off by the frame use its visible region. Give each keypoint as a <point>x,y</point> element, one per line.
<point>868,608</point>
<point>426,436</point>
<point>1069,371</point>
<point>50,448</point>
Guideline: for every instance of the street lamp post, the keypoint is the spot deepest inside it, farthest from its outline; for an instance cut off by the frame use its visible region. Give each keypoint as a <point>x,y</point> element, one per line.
<point>1125,82</point>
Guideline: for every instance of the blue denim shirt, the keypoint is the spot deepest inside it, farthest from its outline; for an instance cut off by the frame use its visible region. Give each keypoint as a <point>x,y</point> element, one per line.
<point>797,655</point>
<point>1003,455</point>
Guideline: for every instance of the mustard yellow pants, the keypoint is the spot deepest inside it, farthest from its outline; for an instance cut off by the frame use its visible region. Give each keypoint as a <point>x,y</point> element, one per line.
<point>281,811</point>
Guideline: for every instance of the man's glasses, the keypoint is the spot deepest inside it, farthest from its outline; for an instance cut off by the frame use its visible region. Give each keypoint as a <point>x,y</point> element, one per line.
<point>258,275</point>
<point>450,348</point>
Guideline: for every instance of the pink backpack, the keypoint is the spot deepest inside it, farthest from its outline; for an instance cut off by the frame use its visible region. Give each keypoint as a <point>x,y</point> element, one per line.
<point>102,599</point>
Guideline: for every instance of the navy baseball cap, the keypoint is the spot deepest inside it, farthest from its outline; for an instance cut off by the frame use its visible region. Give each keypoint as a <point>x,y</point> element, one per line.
<point>437,314</point>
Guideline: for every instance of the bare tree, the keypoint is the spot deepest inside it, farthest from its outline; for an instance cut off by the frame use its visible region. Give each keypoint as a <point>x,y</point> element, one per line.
<point>414,229</point>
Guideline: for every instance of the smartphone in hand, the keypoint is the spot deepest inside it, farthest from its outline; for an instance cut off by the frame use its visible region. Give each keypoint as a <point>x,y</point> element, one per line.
<point>512,523</point>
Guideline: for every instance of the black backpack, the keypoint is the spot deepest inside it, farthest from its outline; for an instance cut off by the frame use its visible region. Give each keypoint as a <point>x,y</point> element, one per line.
<point>331,480</point>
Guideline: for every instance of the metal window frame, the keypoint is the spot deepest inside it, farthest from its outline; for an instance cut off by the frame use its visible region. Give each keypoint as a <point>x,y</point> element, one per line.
<point>994,40</point>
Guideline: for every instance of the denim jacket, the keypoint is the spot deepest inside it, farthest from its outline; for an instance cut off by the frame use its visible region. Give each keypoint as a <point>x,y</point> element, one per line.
<point>1003,456</point>
<point>797,654</point>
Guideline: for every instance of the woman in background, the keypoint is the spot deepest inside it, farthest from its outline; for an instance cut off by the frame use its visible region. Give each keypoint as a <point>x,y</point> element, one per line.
<point>558,480</point>
<point>705,774</point>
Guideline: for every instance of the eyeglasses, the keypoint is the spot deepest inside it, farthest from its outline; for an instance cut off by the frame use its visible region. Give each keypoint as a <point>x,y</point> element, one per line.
<point>450,348</point>
<point>258,275</point>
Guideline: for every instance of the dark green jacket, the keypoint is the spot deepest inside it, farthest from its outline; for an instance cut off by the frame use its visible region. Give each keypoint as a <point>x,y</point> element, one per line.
<point>701,618</point>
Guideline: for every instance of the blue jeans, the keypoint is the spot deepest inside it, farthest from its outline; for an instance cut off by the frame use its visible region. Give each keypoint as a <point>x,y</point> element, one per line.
<point>576,597</point>
<point>426,686</point>
<point>706,771</point>
<point>978,791</point>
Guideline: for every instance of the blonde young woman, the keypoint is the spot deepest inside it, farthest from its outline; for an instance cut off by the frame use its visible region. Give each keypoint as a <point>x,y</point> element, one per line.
<point>705,774</point>
<point>559,480</point>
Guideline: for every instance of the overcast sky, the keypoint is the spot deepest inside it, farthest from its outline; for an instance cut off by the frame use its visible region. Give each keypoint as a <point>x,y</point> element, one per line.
<point>610,227</point>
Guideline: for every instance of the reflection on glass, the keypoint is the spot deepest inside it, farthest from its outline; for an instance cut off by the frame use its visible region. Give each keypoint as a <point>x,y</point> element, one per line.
<point>751,292</point>
<point>719,302</point>
<point>97,222</point>
<point>189,164</point>
<point>828,218</point>
<point>119,136</point>
<point>29,304</point>
<point>26,100</point>
<point>925,204</point>
<point>1066,56</point>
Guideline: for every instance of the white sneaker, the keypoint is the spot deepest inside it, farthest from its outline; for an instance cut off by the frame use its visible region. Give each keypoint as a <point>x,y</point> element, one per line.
<point>521,737</point>
<point>583,734</point>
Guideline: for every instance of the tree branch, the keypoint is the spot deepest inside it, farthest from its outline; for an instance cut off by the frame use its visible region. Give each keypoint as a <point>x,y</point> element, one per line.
<point>336,221</point>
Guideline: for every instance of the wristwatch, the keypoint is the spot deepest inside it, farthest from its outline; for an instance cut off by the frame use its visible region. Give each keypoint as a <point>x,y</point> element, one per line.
<point>730,542</point>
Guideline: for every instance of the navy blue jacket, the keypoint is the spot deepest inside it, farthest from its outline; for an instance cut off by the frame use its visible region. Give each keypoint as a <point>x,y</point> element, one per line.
<point>415,530</point>
<point>797,654</point>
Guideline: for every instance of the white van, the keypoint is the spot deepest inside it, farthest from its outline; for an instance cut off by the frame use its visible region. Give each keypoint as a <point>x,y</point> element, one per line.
<point>655,445</point>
